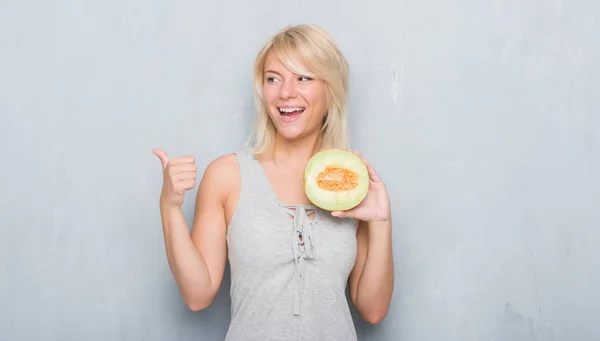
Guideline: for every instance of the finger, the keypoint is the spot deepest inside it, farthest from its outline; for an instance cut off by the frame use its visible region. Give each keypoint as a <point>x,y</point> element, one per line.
<point>355,152</point>
<point>182,168</point>
<point>338,214</point>
<point>182,160</point>
<point>183,185</point>
<point>184,176</point>
<point>188,184</point>
<point>344,214</point>
<point>162,155</point>
<point>372,173</point>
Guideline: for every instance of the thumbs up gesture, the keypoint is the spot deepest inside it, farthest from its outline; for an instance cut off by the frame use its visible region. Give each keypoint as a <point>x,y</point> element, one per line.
<point>179,176</point>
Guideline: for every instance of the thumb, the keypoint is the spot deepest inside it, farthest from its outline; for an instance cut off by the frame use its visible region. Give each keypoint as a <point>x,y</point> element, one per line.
<point>162,155</point>
<point>342,214</point>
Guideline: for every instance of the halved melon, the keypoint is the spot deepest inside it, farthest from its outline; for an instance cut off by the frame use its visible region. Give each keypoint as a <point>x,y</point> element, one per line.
<point>336,180</point>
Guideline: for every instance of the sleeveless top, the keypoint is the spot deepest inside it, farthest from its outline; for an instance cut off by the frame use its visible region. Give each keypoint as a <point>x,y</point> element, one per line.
<point>289,266</point>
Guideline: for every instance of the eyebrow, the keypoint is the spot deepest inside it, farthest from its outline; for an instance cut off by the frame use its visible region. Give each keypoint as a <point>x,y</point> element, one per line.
<point>271,71</point>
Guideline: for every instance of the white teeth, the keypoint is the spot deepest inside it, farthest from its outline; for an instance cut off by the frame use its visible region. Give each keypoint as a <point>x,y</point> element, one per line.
<point>290,109</point>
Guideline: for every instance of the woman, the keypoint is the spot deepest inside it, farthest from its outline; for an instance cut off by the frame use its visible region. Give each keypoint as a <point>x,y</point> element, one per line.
<point>290,261</point>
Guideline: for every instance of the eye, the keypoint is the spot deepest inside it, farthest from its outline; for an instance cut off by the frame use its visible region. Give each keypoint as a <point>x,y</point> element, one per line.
<point>305,79</point>
<point>270,79</point>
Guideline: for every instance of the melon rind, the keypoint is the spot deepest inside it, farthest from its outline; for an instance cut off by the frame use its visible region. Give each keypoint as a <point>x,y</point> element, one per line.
<point>332,200</point>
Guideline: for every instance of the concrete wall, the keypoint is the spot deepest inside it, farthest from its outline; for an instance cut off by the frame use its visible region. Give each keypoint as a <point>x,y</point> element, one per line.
<point>482,116</point>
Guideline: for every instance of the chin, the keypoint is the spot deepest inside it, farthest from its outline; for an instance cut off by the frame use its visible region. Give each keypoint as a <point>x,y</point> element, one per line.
<point>291,133</point>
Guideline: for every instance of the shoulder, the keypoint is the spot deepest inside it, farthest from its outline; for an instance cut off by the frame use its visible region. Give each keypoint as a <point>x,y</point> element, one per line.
<point>227,163</point>
<point>224,169</point>
<point>221,175</point>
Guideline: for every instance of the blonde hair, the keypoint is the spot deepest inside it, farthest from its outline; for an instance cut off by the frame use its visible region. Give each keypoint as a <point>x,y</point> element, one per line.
<point>325,61</point>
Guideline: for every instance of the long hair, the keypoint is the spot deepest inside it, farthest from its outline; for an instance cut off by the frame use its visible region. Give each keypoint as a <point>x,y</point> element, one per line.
<point>323,60</point>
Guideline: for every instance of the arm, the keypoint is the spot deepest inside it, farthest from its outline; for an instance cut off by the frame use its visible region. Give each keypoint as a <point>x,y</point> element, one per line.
<point>197,261</point>
<point>371,282</point>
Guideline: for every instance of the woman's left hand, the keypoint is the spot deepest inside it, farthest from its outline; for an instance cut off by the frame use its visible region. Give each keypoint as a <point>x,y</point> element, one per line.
<point>376,205</point>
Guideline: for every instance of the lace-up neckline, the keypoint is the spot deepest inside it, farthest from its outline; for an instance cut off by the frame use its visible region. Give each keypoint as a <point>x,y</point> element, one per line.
<point>302,241</point>
<point>302,246</point>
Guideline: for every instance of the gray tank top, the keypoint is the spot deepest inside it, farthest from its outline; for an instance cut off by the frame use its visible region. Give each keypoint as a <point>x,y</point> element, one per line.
<point>289,266</point>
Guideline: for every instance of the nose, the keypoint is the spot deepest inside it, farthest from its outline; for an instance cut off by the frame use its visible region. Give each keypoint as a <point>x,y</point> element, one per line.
<point>287,89</point>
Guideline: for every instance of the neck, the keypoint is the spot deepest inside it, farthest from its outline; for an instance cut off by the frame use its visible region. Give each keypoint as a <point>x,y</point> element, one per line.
<point>297,150</point>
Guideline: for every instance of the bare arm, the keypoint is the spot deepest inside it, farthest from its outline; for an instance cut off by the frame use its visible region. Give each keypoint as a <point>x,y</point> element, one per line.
<point>371,282</point>
<point>197,261</point>
<point>372,279</point>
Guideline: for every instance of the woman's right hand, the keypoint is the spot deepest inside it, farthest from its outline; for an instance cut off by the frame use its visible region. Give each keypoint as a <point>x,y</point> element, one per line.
<point>179,176</point>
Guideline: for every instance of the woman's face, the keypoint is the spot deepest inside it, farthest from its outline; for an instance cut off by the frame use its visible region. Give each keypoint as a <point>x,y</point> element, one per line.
<point>296,103</point>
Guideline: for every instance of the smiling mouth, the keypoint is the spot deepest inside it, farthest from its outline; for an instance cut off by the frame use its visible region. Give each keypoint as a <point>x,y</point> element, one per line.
<point>291,111</point>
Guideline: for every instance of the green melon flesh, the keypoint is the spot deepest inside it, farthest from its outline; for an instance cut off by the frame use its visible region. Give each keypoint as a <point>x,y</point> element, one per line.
<point>336,199</point>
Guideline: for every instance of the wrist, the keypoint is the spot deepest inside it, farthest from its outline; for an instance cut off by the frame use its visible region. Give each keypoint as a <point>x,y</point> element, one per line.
<point>167,209</point>
<point>380,225</point>
<point>381,220</point>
